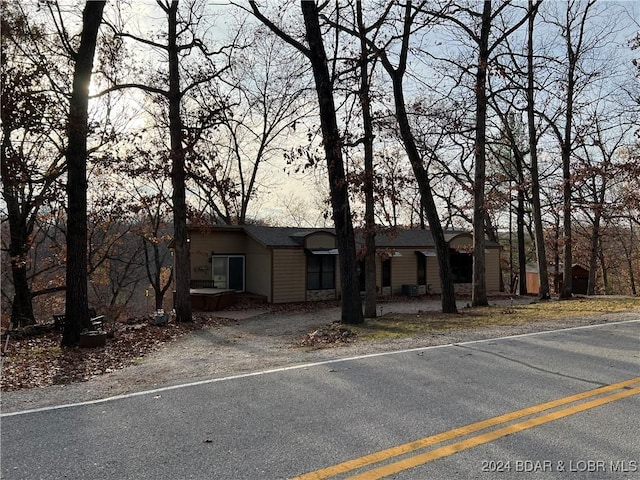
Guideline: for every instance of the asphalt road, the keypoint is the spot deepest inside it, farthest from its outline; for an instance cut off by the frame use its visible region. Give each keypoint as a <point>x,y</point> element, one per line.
<point>294,422</point>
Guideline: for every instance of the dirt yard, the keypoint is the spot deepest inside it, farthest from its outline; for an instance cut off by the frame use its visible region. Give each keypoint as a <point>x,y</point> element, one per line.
<point>243,341</point>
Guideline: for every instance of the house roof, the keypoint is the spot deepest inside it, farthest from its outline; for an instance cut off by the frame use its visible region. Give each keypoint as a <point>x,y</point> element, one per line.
<point>282,236</point>
<point>294,236</point>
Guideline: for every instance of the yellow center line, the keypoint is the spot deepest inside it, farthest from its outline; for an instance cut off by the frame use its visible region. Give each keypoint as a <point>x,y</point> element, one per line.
<point>441,452</point>
<point>388,453</point>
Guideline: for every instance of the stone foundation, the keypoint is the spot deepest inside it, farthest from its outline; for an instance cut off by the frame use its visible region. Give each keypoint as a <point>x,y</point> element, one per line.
<point>318,295</point>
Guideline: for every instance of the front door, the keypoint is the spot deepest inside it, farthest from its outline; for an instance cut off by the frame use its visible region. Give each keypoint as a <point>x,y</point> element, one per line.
<point>228,272</point>
<point>220,276</point>
<point>236,273</point>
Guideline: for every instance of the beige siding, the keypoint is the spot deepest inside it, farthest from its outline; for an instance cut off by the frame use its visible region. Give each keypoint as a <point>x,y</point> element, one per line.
<point>258,274</point>
<point>200,255</point>
<point>289,275</point>
<point>320,240</point>
<point>231,242</point>
<point>202,244</point>
<point>257,257</point>
<point>463,240</point>
<point>492,273</point>
<point>404,270</point>
<point>433,276</point>
<point>280,273</point>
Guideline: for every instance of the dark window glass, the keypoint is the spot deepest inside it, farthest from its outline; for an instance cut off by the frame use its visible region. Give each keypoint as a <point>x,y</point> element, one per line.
<point>461,267</point>
<point>386,272</point>
<point>422,269</point>
<point>321,272</point>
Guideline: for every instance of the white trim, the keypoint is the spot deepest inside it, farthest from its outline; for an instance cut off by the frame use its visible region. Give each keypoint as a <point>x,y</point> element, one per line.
<point>333,251</point>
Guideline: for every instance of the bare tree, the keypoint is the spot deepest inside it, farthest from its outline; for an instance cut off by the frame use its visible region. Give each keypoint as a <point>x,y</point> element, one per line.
<point>338,184</point>
<point>397,74</point>
<point>599,173</point>
<point>33,144</point>
<point>364,97</point>
<point>572,23</point>
<point>181,41</point>
<point>541,254</point>
<point>479,31</point>
<point>77,308</point>
<point>268,104</point>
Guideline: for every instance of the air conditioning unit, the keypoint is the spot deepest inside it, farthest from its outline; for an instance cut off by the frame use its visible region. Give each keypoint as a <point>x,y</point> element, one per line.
<point>410,290</point>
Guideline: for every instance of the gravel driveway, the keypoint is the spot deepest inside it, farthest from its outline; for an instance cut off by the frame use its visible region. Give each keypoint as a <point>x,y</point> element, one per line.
<point>258,340</point>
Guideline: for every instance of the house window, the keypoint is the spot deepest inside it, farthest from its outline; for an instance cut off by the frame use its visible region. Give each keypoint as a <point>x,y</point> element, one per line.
<point>461,267</point>
<point>386,272</point>
<point>321,272</point>
<point>422,269</point>
<point>228,272</point>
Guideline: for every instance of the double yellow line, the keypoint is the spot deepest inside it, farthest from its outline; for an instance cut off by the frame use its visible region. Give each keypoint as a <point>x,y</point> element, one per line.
<point>620,390</point>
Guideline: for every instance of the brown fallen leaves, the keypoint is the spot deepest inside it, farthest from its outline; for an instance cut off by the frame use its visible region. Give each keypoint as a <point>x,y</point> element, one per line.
<point>331,334</point>
<point>37,360</point>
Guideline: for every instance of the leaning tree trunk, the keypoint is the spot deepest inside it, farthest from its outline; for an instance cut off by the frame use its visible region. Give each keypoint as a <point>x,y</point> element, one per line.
<point>77,306</point>
<point>448,296</point>
<point>428,203</point>
<point>338,185</point>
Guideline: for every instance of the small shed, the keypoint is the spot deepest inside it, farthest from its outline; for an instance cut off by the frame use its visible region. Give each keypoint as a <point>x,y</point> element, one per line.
<point>579,279</point>
<point>533,280</point>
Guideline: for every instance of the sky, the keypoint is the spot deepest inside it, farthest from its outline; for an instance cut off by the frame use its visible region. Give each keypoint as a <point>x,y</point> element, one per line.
<point>289,193</point>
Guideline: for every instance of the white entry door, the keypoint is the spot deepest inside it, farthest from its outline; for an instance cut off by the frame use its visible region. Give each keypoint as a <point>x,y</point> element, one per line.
<point>220,271</point>
<point>228,272</point>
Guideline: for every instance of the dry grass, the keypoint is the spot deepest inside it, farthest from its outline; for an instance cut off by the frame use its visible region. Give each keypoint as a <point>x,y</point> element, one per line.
<point>406,325</point>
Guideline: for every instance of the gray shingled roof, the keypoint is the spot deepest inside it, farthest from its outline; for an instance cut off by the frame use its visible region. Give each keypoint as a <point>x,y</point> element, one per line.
<point>282,236</point>
<point>294,237</point>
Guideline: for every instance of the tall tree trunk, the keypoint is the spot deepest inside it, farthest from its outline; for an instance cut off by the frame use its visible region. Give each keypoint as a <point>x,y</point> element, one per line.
<point>77,307</point>
<point>448,296</point>
<point>593,254</point>
<point>178,175</point>
<point>567,251</point>
<point>541,255</point>
<point>338,185</point>
<point>629,255</point>
<point>567,255</point>
<point>22,306</point>
<point>479,295</point>
<point>605,270</point>
<point>522,256</point>
<point>369,215</point>
<point>556,256</point>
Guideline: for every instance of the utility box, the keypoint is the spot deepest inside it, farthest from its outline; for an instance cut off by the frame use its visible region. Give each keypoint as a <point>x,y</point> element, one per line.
<point>410,290</point>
